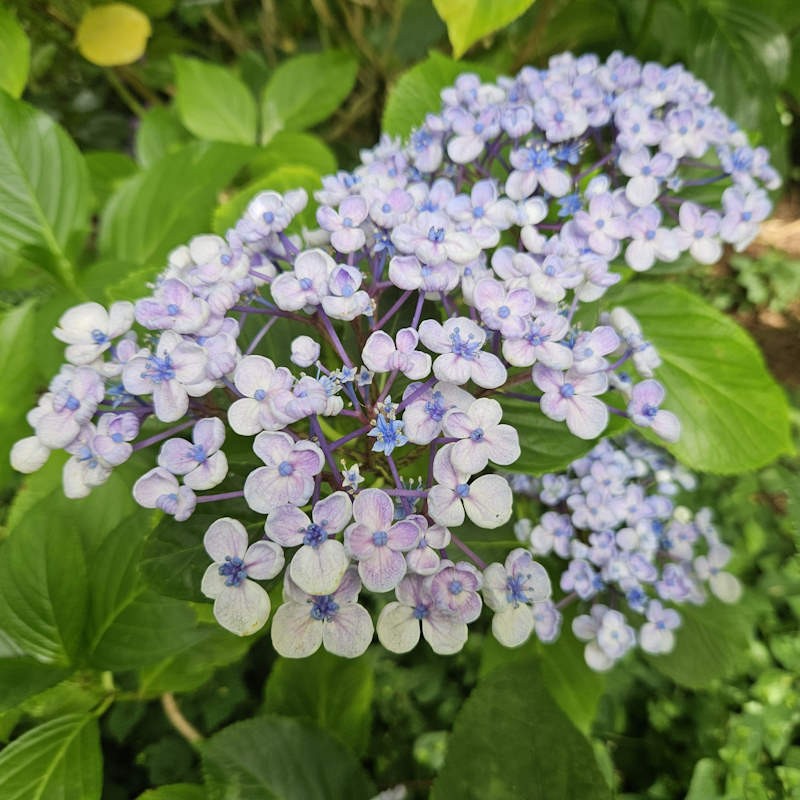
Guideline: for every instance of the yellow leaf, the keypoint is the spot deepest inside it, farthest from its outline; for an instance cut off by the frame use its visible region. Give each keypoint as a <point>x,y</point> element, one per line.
<point>113,34</point>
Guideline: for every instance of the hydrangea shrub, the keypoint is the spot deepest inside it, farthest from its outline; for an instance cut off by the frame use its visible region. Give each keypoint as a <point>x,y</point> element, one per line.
<point>448,275</point>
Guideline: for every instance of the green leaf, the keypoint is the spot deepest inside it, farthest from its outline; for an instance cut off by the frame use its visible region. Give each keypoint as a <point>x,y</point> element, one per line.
<point>191,668</point>
<point>174,559</point>
<point>335,693</point>
<point>548,446</point>
<point>17,352</point>
<point>470,20</point>
<point>175,791</point>
<point>213,103</point>
<point>281,180</point>
<point>305,90</point>
<point>23,677</point>
<point>44,194</point>
<point>59,760</point>
<point>15,54</point>
<point>43,594</point>
<point>511,739</point>
<point>167,204</point>
<point>741,52</point>
<point>416,92</point>
<point>271,758</point>
<point>734,415</point>
<point>160,132</point>
<point>107,169</point>
<point>128,626</point>
<point>710,644</point>
<point>294,149</point>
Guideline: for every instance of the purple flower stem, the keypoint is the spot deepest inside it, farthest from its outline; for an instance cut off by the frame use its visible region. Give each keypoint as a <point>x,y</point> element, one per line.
<point>291,250</point>
<point>333,337</point>
<point>589,170</point>
<point>431,456</point>
<point>391,312</point>
<point>416,393</point>
<point>260,335</point>
<point>349,437</point>
<point>158,437</point>
<point>528,398</point>
<point>573,308</point>
<point>418,310</point>
<point>388,385</point>
<point>625,356</point>
<point>566,600</point>
<point>316,430</point>
<point>260,275</point>
<point>209,498</point>
<point>617,411</point>
<point>468,551</point>
<point>396,475</point>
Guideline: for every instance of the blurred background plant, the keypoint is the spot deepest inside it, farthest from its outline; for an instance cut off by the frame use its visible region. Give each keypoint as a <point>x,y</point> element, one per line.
<point>145,123</point>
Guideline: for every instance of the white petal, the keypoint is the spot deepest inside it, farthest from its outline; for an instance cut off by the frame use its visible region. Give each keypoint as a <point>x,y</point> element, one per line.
<point>489,502</point>
<point>350,632</point>
<point>225,538</point>
<point>242,609</point>
<point>319,570</point>
<point>397,628</point>
<point>29,454</point>
<point>513,626</point>
<point>295,633</point>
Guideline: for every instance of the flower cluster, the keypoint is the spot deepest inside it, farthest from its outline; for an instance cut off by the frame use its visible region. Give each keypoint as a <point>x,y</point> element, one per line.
<point>448,273</point>
<point>629,550</point>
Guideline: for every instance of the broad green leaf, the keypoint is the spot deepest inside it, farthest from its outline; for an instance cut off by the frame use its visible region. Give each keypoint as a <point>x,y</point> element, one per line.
<point>272,758</point>
<point>107,169</point>
<point>15,54</point>
<point>17,352</point>
<point>547,446</point>
<point>283,179</point>
<point>562,670</point>
<point>305,90</point>
<point>416,92</point>
<point>191,668</point>
<point>470,20</point>
<point>43,592</point>
<point>24,677</point>
<point>174,559</point>
<point>335,693</point>
<point>59,760</point>
<point>44,193</point>
<point>293,149</point>
<point>704,781</point>
<point>734,415</point>
<point>175,791</point>
<point>741,52</point>
<point>511,739</point>
<point>213,103</point>
<point>113,34</point>
<point>128,626</point>
<point>159,132</point>
<point>710,644</point>
<point>168,203</point>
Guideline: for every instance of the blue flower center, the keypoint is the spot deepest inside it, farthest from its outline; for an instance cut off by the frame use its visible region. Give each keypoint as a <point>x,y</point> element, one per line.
<point>435,234</point>
<point>233,570</point>
<point>379,538</point>
<point>421,611</point>
<point>650,411</point>
<point>73,404</point>
<point>515,590</point>
<point>324,608</point>
<point>465,348</point>
<point>268,217</point>
<point>747,216</point>
<point>285,469</point>
<point>198,454</point>
<point>477,435</point>
<point>462,490</point>
<point>650,235</point>
<point>503,312</point>
<point>98,337</point>
<point>259,394</point>
<point>315,535</point>
<point>539,160</point>
<point>159,370</point>
<point>455,586</point>
<point>386,208</point>
<point>305,284</point>
<point>478,212</point>
<point>117,437</point>
<point>434,408</point>
<point>172,309</point>
<point>567,391</point>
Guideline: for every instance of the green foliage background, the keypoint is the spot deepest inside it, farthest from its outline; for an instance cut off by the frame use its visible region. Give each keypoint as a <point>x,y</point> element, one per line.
<point>115,682</point>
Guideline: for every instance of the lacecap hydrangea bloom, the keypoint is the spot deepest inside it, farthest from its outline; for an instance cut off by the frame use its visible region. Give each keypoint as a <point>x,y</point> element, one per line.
<point>446,275</point>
